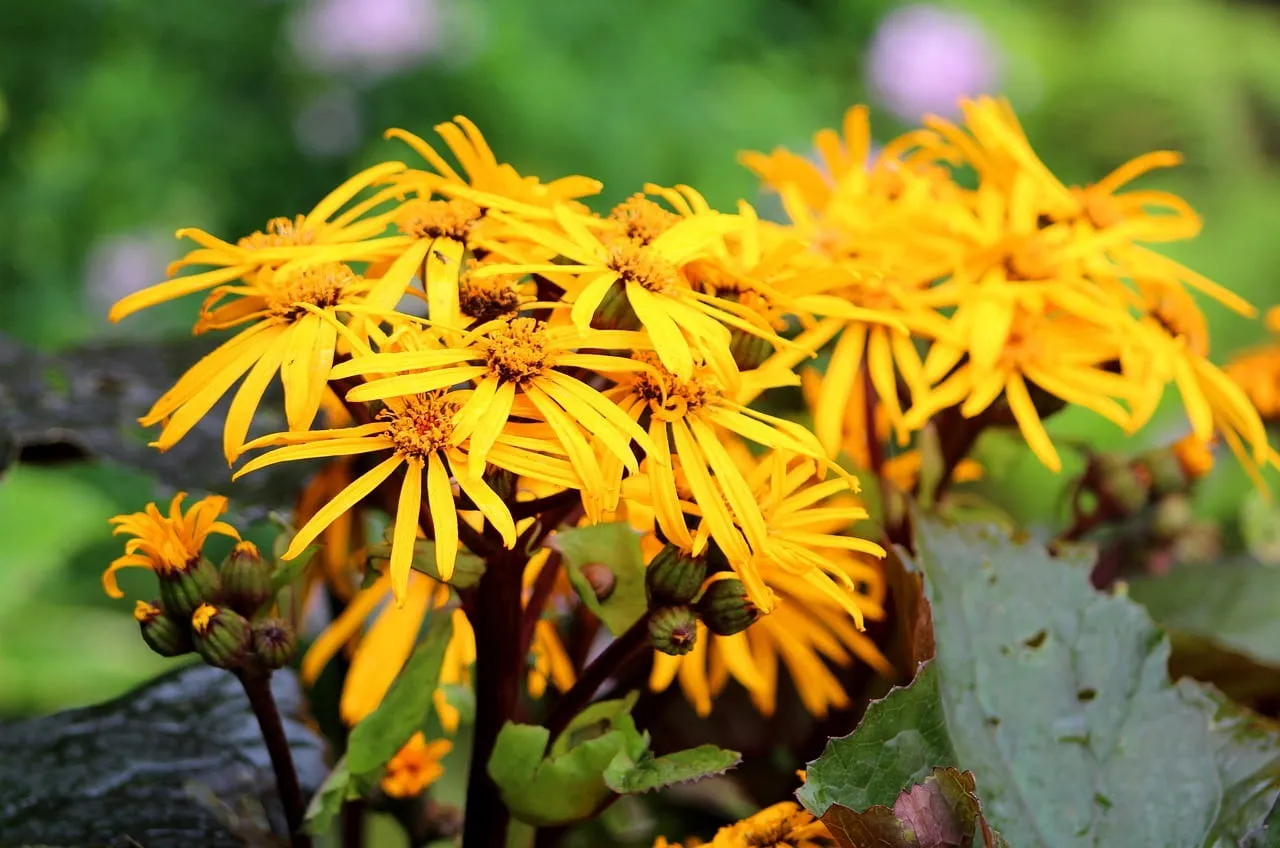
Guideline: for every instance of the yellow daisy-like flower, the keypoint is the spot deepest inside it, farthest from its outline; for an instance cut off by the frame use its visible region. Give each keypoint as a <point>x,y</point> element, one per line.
<point>515,364</point>
<point>322,235</point>
<point>1046,351</point>
<point>415,766</point>
<point>784,825</point>
<point>686,326</point>
<point>1257,372</point>
<point>686,422</point>
<point>294,332</point>
<point>169,543</point>
<point>418,431</point>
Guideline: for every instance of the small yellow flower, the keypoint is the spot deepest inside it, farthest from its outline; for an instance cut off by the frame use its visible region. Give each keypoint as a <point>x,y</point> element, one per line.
<point>201,617</point>
<point>169,543</point>
<point>415,767</point>
<point>1194,455</point>
<point>1257,371</point>
<point>784,825</point>
<point>144,612</point>
<point>319,236</point>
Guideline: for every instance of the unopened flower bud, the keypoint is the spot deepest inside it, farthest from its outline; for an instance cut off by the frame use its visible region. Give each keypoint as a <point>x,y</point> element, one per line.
<point>600,578</point>
<point>222,636</point>
<point>749,350</point>
<point>246,580</point>
<point>166,637</point>
<point>183,590</point>
<point>1122,487</point>
<point>674,576</point>
<point>615,312</point>
<point>673,630</point>
<point>1172,516</point>
<point>274,643</point>
<point>725,608</point>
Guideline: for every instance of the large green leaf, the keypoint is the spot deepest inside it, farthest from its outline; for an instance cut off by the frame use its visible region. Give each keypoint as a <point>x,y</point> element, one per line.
<point>161,765</point>
<point>616,547</point>
<point>1057,698</point>
<point>1231,603</point>
<point>405,707</point>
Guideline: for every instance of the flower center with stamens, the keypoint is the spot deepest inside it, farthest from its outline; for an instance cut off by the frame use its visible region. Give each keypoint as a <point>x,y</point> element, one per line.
<point>432,219</point>
<point>642,219</point>
<point>668,396</point>
<point>517,351</point>
<point>637,264</point>
<point>420,425</point>
<point>280,232</point>
<point>489,298</point>
<point>317,285</point>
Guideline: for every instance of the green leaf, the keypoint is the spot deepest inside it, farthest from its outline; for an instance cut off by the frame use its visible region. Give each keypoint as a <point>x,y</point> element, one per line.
<point>899,741</point>
<point>627,776</point>
<point>1232,603</point>
<point>941,812</point>
<point>569,784</point>
<point>405,707</point>
<point>1057,696</point>
<point>160,765</point>
<point>325,805</point>
<point>1247,757</point>
<point>617,547</point>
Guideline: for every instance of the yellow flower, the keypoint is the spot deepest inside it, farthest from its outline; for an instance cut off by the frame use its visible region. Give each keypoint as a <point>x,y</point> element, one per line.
<point>784,825</point>
<point>686,422</point>
<point>1257,372</point>
<point>1046,351</point>
<point>294,332</point>
<point>487,181</point>
<point>514,364</point>
<point>685,325</point>
<point>1194,455</point>
<point>167,544</point>
<point>418,430</point>
<point>384,635</point>
<point>319,236</point>
<point>415,766</point>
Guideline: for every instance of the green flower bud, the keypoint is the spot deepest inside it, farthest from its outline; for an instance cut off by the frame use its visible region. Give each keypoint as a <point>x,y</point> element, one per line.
<point>183,590</point>
<point>166,637</point>
<point>615,312</point>
<point>1122,488</point>
<point>274,643</point>
<point>1164,470</point>
<point>673,630</point>
<point>1172,516</point>
<point>725,608</point>
<point>222,636</point>
<point>246,580</point>
<point>674,577</point>
<point>749,351</point>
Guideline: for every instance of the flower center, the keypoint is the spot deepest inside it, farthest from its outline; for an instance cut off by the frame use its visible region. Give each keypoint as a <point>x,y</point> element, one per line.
<point>422,425</point>
<point>636,264</point>
<point>489,298</point>
<point>777,829</point>
<point>317,285</point>
<point>433,219</point>
<point>517,351</point>
<point>280,232</point>
<point>642,219</point>
<point>670,398</point>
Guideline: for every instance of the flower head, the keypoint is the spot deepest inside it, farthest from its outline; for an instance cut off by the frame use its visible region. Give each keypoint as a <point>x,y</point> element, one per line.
<point>784,825</point>
<point>415,766</point>
<point>167,543</point>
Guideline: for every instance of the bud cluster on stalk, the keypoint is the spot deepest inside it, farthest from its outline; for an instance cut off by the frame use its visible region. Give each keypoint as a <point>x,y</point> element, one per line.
<point>680,595</point>
<point>219,612</point>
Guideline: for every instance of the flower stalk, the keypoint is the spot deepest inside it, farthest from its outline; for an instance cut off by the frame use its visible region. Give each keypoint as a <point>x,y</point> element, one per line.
<point>257,687</point>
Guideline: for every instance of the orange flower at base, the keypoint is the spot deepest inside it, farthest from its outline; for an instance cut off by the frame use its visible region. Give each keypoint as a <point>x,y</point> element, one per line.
<point>784,825</point>
<point>415,767</point>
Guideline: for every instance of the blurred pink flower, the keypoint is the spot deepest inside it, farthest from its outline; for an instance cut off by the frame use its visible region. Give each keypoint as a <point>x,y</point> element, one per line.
<point>924,58</point>
<point>375,36</point>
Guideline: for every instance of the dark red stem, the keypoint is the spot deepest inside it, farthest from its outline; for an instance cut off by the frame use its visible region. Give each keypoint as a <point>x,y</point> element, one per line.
<point>613,658</point>
<point>257,686</point>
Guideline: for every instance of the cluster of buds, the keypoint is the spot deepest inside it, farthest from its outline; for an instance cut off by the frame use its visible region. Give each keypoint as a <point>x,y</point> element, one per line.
<point>219,613</point>
<point>680,595</point>
<point>1147,500</point>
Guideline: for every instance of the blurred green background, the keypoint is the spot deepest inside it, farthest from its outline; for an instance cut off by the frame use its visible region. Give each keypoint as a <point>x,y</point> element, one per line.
<point>122,121</point>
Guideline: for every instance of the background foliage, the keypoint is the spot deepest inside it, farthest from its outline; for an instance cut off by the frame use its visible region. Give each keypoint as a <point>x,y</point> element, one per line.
<point>121,121</point>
